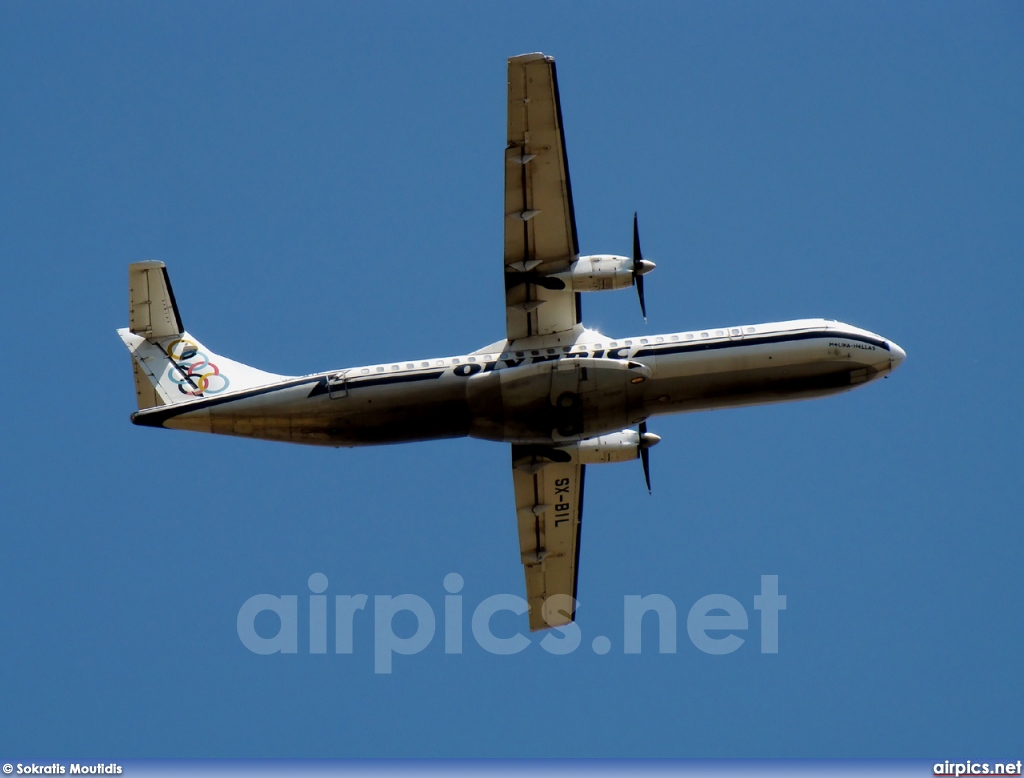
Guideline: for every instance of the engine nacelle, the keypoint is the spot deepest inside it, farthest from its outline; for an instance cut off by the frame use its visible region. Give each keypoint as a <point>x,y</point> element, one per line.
<point>600,272</point>
<point>616,447</point>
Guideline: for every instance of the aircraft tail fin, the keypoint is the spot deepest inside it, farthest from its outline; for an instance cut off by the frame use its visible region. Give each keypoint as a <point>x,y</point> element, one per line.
<point>152,310</point>
<point>170,365</point>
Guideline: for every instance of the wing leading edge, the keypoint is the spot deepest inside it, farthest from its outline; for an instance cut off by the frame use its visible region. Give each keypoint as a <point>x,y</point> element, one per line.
<point>549,507</point>
<point>540,225</point>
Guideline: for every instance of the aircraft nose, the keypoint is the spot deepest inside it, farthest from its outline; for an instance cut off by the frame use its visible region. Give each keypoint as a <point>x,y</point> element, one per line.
<point>896,355</point>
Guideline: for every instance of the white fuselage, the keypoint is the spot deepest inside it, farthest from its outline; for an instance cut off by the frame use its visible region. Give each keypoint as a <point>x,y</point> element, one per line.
<point>547,390</point>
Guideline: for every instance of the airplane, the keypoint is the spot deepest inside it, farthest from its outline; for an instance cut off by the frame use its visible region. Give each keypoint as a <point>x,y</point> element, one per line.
<point>562,396</point>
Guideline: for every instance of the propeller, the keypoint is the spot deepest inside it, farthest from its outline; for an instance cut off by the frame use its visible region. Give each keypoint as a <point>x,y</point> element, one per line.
<point>641,267</point>
<point>647,439</point>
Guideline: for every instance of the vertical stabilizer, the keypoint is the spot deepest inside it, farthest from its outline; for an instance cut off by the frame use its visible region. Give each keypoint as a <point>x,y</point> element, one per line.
<point>152,311</point>
<point>170,365</point>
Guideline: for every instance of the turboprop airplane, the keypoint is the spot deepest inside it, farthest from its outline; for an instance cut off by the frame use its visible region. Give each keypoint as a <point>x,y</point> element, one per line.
<point>563,396</point>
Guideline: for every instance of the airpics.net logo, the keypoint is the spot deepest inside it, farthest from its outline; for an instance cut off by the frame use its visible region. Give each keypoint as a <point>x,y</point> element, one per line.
<point>714,623</point>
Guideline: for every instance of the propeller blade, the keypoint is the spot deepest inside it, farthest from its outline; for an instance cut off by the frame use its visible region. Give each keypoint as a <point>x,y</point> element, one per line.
<point>637,254</point>
<point>647,439</point>
<point>641,267</point>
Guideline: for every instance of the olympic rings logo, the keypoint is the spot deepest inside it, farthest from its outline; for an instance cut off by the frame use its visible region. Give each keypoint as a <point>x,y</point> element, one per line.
<point>193,371</point>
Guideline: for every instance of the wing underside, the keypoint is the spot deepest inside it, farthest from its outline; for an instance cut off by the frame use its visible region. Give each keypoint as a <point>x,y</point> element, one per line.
<point>540,226</point>
<point>549,506</point>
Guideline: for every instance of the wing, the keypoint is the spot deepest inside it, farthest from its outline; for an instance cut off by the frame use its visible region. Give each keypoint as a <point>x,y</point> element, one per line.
<point>540,225</point>
<point>549,506</point>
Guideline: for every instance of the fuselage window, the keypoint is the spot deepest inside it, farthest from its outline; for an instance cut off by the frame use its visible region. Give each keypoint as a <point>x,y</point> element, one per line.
<point>365,370</point>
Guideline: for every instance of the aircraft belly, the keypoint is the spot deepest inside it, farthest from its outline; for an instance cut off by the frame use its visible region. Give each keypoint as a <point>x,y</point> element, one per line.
<point>735,386</point>
<point>382,420</point>
<point>194,421</point>
<point>567,400</point>
<point>759,374</point>
<point>359,416</point>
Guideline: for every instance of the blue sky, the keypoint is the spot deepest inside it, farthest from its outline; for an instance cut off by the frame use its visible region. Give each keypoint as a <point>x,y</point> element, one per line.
<point>324,181</point>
